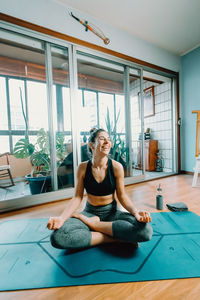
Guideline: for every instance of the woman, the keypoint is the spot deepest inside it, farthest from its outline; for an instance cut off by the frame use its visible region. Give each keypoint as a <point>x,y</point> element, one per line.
<point>101,221</point>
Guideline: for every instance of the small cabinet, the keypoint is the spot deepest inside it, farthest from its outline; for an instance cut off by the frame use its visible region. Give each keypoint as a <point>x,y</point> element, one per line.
<point>151,148</point>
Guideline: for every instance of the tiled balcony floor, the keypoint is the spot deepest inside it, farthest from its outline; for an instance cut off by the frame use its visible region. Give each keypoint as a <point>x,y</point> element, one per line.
<point>21,188</point>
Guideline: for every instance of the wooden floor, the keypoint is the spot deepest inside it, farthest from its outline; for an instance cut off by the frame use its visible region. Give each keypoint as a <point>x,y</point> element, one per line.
<point>175,188</point>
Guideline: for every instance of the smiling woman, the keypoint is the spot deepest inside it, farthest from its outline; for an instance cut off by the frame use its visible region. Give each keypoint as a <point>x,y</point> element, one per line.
<point>99,179</point>
<point>101,221</point>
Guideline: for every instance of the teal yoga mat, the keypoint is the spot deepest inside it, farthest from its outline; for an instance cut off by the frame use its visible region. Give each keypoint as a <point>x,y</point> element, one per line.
<point>28,261</point>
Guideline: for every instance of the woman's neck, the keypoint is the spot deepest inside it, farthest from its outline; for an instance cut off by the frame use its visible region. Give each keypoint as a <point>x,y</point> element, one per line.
<point>99,162</point>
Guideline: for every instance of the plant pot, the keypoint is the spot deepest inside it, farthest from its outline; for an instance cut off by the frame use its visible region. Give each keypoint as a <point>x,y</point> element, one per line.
<point>39,185</point>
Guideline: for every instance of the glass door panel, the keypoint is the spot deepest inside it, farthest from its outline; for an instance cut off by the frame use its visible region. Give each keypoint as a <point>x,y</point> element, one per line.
<point>24,100</point>
<point>109,105</point>
<point>106,107</point>
<point>136,124</point>
<point>158,125</point>
<point>62,117</point>
<point>102,102</point>
<point>134,120</point>
<point>17,86</point>
<point>88,106</point>
<point>38,118</point>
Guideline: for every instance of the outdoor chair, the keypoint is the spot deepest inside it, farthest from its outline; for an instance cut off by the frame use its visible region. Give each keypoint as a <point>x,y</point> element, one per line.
<point>5,171</point>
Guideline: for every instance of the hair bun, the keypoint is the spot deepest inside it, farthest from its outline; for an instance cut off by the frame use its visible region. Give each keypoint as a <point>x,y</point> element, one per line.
<point>93,130</point>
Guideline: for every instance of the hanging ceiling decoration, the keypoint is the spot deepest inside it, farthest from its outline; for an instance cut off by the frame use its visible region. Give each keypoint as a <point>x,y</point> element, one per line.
<point>92,28</point>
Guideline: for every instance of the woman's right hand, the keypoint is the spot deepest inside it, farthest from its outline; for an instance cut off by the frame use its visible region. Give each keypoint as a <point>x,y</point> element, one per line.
<point>55,223</point>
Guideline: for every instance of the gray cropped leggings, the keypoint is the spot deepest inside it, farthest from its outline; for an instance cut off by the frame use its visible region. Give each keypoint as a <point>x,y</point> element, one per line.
<point>75,234</point>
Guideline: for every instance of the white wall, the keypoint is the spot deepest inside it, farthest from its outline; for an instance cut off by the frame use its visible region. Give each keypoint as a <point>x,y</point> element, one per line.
<point>53,15</point>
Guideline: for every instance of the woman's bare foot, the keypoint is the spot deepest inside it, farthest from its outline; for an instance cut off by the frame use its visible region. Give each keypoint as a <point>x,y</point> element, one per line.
<point>89,221</point>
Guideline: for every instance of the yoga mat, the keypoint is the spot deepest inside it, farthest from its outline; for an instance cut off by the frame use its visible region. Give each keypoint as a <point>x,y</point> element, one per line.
<point>28,261</point>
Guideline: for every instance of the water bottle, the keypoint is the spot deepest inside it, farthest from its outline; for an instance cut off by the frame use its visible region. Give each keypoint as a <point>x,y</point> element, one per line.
<point>159,198</point>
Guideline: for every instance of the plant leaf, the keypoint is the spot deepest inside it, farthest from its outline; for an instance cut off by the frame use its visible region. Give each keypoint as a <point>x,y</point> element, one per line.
<point>23,148</point>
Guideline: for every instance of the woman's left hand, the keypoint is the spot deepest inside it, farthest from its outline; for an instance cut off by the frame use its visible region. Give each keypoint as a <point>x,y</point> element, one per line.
<point>143,216</point>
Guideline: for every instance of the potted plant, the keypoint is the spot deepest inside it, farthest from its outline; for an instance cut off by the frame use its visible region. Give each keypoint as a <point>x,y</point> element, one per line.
<point>39,155</point>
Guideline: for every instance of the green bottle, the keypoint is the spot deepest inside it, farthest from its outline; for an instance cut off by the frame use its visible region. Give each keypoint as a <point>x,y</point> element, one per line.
<point>159,198</point>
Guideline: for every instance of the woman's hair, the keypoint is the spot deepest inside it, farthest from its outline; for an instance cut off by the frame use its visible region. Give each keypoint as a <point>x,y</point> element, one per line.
<point>93,135</point>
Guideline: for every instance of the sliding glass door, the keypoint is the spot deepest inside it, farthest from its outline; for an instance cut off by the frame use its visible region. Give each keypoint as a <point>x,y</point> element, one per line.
<point>101,102</point>
<point>35,126</point>
<point>54,93</point>
<point>25,110</point>
<point>159,131</point>
<point>105,102</point>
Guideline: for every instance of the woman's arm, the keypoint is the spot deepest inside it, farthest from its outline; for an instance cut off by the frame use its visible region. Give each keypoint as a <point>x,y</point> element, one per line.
<point>125,201</point>
<point>57,222</point>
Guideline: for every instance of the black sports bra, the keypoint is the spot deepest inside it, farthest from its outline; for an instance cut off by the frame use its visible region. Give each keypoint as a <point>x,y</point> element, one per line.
<point>106,187</point>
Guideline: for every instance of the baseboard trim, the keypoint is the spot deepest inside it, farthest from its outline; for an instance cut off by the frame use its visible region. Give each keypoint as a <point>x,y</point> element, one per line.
<point>188,172</point>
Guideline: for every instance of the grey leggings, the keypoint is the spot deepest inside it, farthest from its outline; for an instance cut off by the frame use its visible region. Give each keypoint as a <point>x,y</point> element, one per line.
<point>75,234</point>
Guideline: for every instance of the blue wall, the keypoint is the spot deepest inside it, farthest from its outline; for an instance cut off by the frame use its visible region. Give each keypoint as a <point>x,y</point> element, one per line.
<point>190,100</point>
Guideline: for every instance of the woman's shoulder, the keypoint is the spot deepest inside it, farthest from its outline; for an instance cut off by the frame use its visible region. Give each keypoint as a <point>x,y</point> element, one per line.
<point>82,169</point>
<point>117,166</point>
<point>83,164</point>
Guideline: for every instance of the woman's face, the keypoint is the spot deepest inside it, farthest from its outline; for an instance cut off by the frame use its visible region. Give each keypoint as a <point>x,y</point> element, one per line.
<point>102,143</point>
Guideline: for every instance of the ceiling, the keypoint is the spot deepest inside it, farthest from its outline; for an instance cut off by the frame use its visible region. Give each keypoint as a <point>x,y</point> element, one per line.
<point>170,24</point>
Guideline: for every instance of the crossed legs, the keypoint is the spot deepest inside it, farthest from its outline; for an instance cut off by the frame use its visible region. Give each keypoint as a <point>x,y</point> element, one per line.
<point>84,230</point>
<point>75,234</point>
<point>101,232</point>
